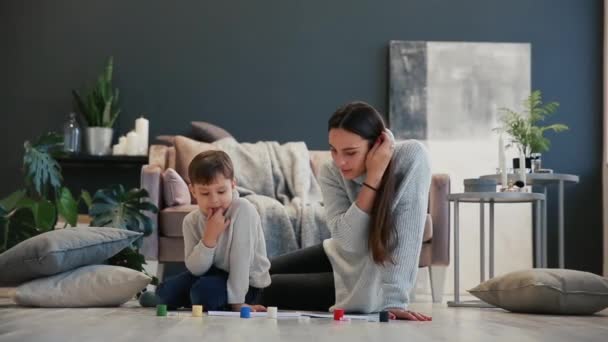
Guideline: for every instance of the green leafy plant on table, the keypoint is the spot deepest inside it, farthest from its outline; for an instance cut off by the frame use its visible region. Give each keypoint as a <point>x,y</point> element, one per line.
<point>524,128</point>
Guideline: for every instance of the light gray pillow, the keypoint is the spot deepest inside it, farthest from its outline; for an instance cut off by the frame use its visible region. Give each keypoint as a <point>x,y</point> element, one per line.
<point>93,285</point>
<point>61,250</point>
<point>546,291</point>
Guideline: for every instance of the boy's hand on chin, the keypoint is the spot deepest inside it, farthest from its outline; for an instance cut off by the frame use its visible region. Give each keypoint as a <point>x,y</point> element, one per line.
<point>216,225</point>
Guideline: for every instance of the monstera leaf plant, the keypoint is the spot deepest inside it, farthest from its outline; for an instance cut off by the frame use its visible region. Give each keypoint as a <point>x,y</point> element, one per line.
<point>35,208</point>
<point>118,208</point>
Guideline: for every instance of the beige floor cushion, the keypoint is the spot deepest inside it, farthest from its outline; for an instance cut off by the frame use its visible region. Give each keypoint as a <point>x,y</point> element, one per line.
<point>546,291</point>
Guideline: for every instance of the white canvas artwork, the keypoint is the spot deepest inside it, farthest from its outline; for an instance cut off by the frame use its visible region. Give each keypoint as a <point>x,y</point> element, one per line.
<point>448,95</point>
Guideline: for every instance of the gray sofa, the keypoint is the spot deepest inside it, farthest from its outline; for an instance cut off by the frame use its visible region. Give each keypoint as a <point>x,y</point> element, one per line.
<point>166,245</point>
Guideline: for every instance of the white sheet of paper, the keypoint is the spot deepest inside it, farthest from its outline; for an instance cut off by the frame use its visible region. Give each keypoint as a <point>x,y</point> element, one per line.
<point>369,318</point>
<point>254,314</point>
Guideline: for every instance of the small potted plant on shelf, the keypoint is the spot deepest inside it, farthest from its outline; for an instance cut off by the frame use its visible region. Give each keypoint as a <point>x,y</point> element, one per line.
<point>524,129</point>
<point>99,108</point>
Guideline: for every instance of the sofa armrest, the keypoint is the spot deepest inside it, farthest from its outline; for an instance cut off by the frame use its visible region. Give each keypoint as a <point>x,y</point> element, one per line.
<point>439,208</point>
<point>158,155</point>
<point>151,181</point>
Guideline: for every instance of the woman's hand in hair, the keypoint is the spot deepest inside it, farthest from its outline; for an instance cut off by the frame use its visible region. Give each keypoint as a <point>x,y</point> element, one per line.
<point>408,315</point>
<point>378,158</point>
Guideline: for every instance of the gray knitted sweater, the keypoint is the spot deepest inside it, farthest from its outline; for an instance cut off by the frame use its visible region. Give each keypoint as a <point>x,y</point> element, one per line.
<point>240,249</point>
<point>361,285</point>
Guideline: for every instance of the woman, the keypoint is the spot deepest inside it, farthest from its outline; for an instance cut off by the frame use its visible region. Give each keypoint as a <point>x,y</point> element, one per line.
<point>375,194</point>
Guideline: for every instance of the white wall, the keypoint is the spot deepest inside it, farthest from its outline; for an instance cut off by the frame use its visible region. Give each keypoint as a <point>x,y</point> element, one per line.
<point>468,83</point>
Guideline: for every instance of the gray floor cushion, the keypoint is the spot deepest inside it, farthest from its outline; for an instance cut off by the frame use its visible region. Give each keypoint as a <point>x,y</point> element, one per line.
<point>546,291</point>
<point>87,286</point>
<point>61,250</point>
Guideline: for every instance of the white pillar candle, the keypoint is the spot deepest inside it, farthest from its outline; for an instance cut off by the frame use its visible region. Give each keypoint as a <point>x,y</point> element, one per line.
<point>142,127</point>
<point>116,151</point>
<point>133,145</point>
<point>502,163</point>
<point>122,145</point>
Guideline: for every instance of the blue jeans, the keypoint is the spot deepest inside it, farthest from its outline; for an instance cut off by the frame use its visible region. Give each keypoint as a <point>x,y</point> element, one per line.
<point>209,290</point>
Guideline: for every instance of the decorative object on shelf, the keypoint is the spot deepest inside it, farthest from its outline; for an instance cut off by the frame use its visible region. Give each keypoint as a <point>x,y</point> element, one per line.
<point>132,144</point>
<point>522,170</point>
<point>120,149</point>
<point>517,186</point>
<point>136,141</point>
<point>502,162</point>
<point>525,133</point>
<point>98,140</point>
<point>71,135</point>
<point>536,161</point>
<point>117,208</point>
<point>35,208</point>
<point>117,150</point>
<point>528,164</point>
<point>142,127</point>
<point>99,107</point>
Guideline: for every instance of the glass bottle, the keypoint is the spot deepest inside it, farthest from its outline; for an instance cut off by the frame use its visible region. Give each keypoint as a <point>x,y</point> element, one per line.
<point>71,135</point>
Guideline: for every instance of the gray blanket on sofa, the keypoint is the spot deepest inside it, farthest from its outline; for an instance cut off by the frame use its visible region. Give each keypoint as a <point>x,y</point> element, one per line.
<point>278,180</point>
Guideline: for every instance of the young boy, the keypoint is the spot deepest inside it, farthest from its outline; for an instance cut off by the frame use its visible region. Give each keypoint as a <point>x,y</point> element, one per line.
<point>225,251</point>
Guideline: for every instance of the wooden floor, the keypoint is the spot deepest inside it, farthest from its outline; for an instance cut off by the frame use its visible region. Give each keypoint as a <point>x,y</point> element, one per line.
<point>133,323</point>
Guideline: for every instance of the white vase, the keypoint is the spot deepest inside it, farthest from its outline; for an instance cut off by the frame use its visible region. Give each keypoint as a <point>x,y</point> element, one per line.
<point>99,140</point>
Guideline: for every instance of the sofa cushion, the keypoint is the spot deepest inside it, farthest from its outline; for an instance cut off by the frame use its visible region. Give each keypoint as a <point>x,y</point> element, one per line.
<point>175,189</point>
<point>207,132</point>
<point>185,150</point>
<point>61,250</point>
<point>170,219</point>
<point>171,249</point>
<point>426,255</point>
<point>546,291</point>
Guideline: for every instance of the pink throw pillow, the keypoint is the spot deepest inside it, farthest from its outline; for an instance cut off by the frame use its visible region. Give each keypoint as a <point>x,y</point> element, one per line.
<point>175,189</point>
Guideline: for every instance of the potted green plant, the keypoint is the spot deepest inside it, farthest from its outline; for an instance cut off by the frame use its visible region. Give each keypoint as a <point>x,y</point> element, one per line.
<point>118,208</point>
<point>524,129</point>
<point>99,108</point>
<point>35,208</point>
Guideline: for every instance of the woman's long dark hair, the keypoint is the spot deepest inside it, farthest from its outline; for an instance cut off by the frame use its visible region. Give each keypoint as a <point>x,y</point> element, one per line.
<point>364,120</point>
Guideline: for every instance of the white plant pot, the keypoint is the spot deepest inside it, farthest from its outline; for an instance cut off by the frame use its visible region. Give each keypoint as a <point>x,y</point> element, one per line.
<point>99,140</point>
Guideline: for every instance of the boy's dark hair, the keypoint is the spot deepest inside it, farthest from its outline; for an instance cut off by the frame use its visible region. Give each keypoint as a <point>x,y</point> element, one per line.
<point>206,166</point>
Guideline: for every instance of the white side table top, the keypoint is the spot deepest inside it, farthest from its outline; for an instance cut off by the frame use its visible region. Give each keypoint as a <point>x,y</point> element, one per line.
<point>496,197</point>
<point>538,178</point>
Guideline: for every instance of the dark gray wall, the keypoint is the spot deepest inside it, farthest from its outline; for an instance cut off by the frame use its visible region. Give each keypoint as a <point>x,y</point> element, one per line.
<point>276,69</point>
